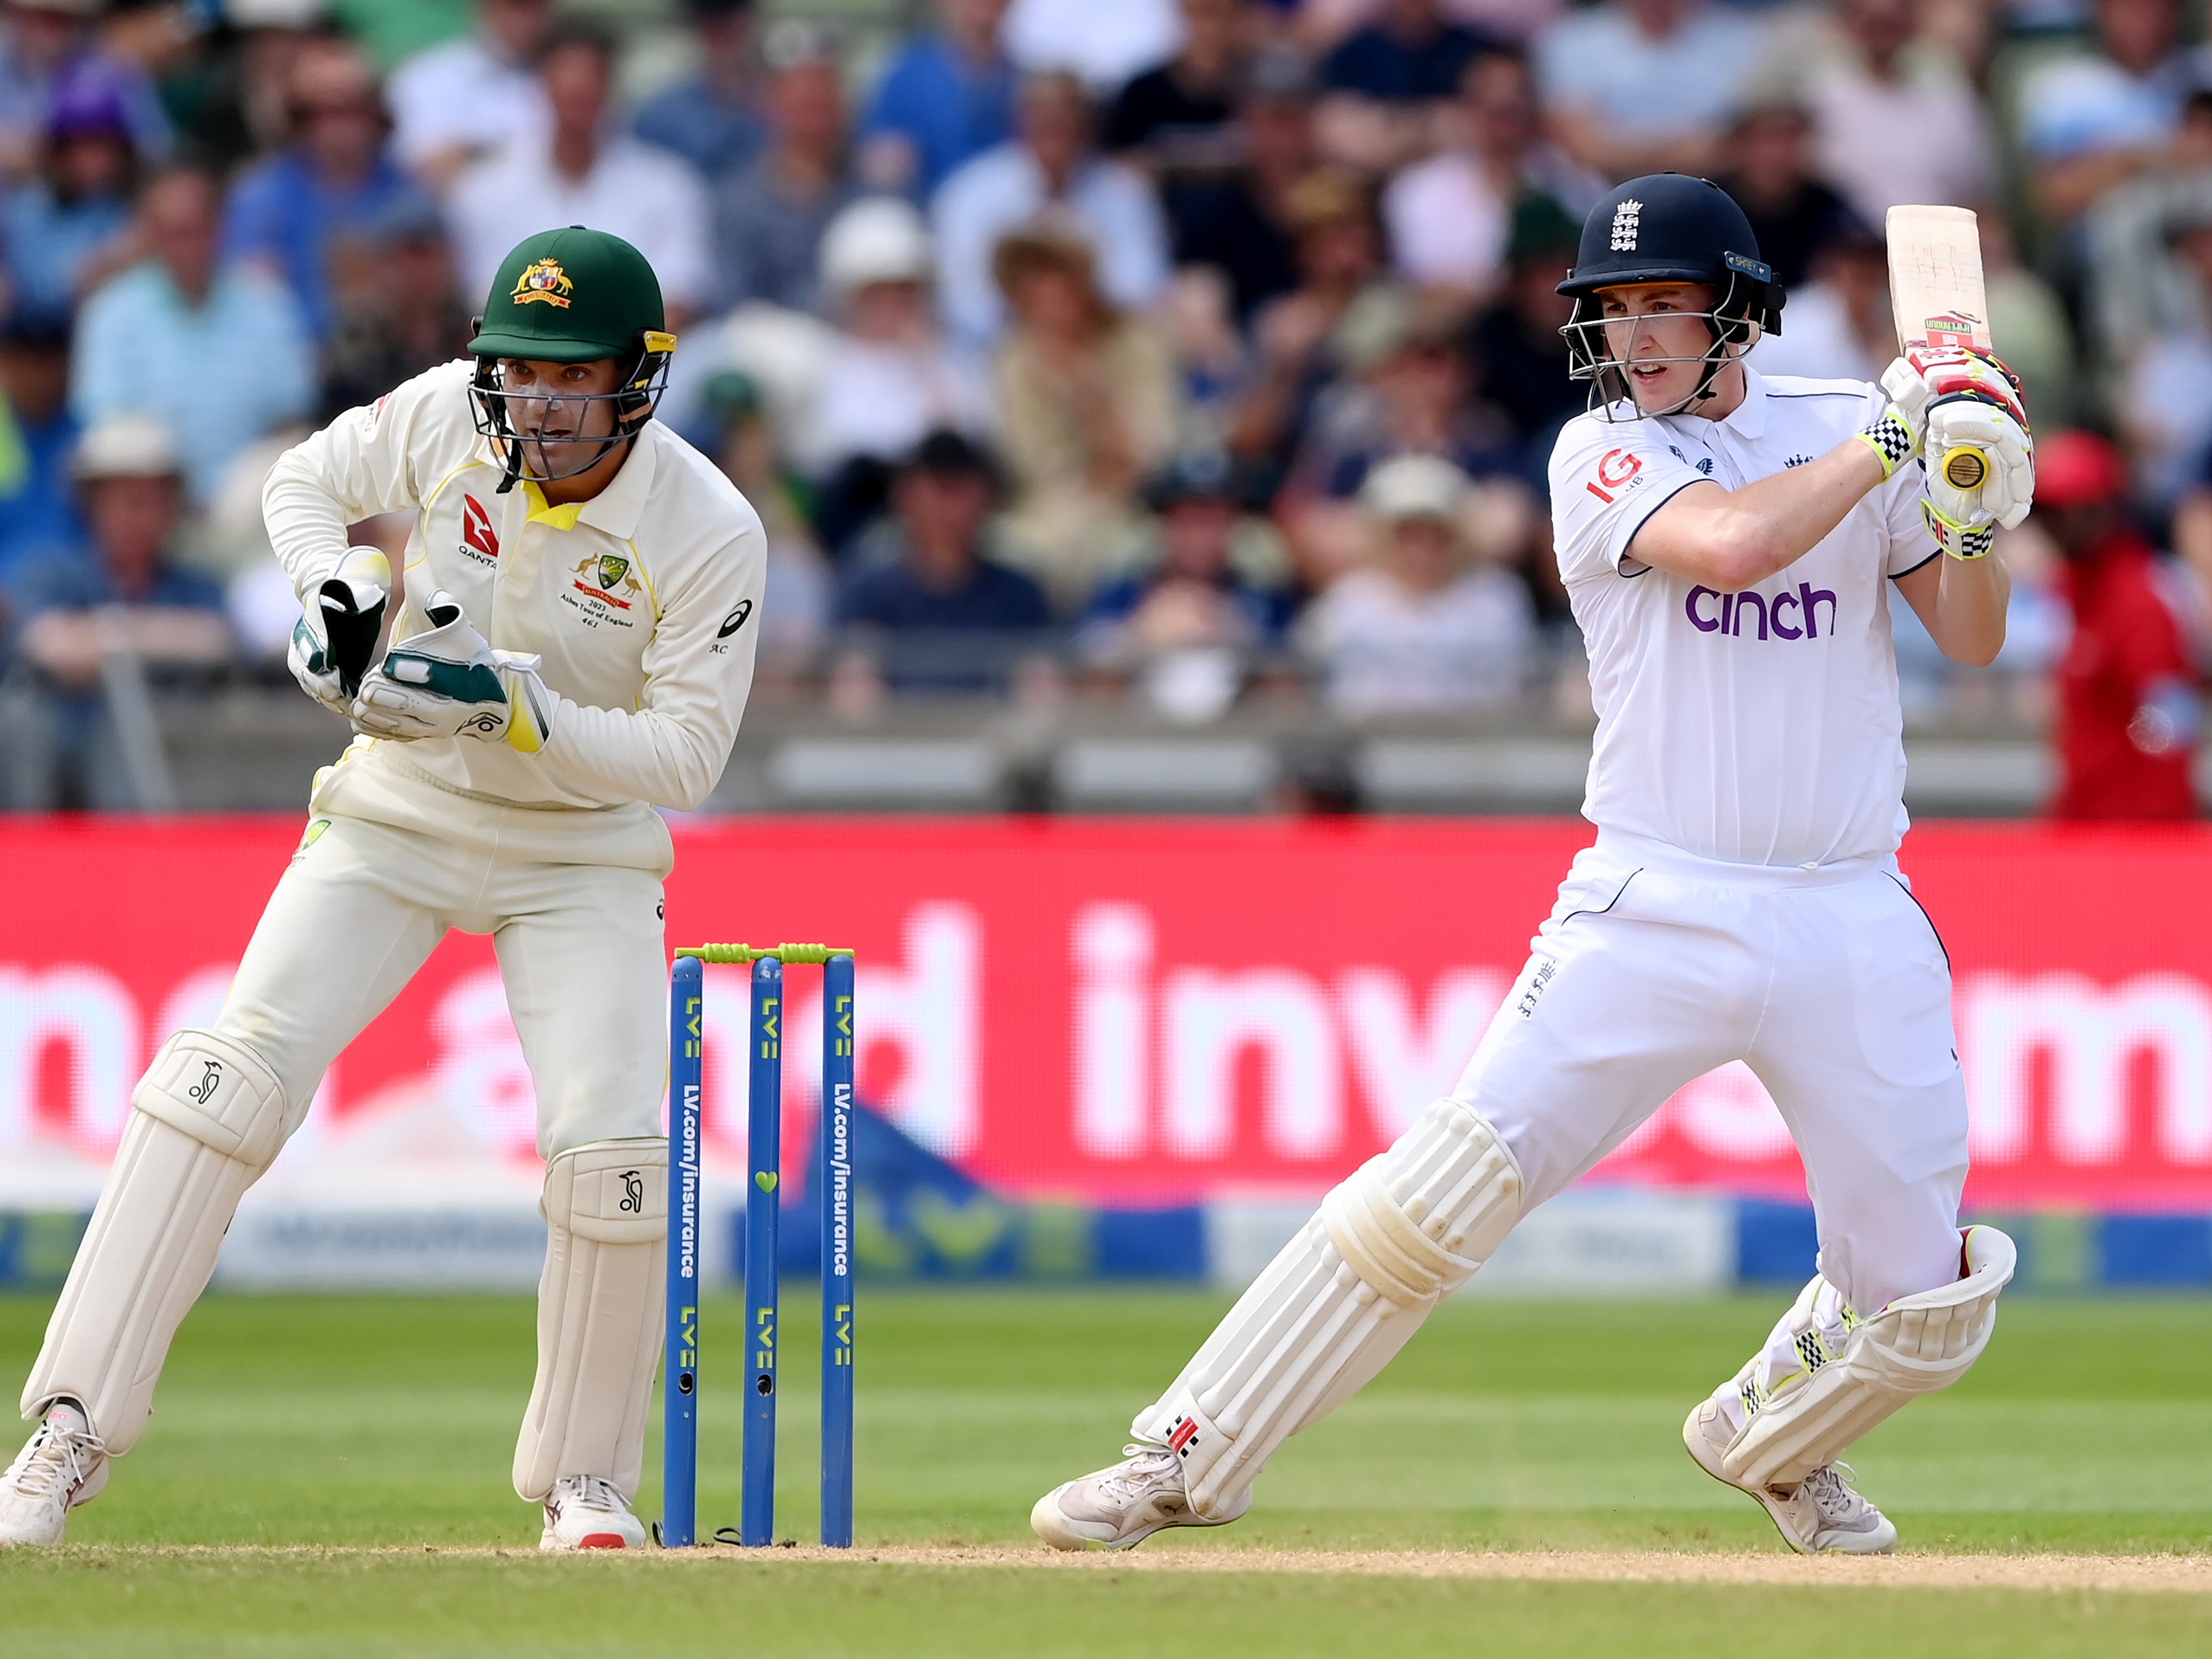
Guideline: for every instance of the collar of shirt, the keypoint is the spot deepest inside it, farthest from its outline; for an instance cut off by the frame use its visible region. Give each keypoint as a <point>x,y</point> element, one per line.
<point>616,508</point>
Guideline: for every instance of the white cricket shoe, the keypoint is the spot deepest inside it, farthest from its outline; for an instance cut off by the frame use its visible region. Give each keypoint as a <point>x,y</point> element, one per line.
<point>586,1513</point>
<point>62,1464</point>
<point>1119,1508</point>
<point>1822,1514</point>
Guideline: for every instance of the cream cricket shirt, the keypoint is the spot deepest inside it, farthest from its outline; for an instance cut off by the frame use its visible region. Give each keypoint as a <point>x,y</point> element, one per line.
<point>1760,728</point>
<point>644,601</point>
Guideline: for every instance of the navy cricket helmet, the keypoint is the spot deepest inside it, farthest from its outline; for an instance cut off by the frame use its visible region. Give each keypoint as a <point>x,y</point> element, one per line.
<point>1669,227</point>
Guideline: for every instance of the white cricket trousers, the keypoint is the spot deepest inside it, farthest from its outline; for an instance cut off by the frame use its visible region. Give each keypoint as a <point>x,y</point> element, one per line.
<point>1656,966</point>
<point>572,900</point>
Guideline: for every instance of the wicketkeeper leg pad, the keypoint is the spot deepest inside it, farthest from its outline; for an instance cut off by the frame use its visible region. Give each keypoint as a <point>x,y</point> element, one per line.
<point>1407,1229</point>
<point>599,1314</point>
<point>1809,1417</point>
<point>206,1119</point>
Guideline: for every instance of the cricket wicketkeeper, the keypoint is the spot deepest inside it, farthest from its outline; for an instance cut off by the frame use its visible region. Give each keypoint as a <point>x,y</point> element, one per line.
<point>575,645</point>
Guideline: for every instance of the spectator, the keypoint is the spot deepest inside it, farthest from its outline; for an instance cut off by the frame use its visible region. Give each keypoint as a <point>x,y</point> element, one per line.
<point>1840,325</point>
<point>1298,337</point>
<point>1088,405</point>
<point>584,173</point>
<point>2097,118</point>
<point>1450,216</point>
<point>2164,393</point>
<point>1240,224</point>
<point>460,103</point>
<point>1189,620</point>
<point>712,118</point>
<point>1050,171</point>
<point>123,594</point>
<point>1516,22</point>
<point>1516,339</point>
<point>1389,82</point>
<point>1177,119</point>
<point>286,212</point>
<point>403,311</point>
<point>795,605</point>
<point>1793,213</point>
<point>2139,286</point>
<point>65,231</point>
<point>947,616</point>
<point>947,98</point>
<point>1408,391</point>
<point>1646,86</point>
<point>769,218</point>
<point>1105,44</point>
<point>1428,627</point>
<point>232,91</point>
<point>38,507</point>
<point>44,44</point>
<point>889,379</point>
<point>1894,116</point>
<point>218,350</point>
<point>2128,711</point>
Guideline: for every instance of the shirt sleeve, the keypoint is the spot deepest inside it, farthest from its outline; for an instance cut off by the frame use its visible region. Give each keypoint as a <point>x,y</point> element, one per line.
<point>670,749</point>
<point>359,466</point>
<point>1607,480</point>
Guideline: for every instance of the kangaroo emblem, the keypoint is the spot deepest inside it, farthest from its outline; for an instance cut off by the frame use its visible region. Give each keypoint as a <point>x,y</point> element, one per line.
<point>203,1090</point>
<point>633,1199</point>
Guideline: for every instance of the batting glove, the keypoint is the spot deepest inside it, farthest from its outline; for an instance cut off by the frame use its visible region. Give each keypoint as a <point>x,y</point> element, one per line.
<point>448,682</point>
<point>336,635</point>
<point>1976,449</point>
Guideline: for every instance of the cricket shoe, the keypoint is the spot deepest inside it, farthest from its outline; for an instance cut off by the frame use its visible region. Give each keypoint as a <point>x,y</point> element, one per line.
<point>586,1513</point>
<point>62,1464</point>
<point>1119,1508</point>
<point>1822,1514</point>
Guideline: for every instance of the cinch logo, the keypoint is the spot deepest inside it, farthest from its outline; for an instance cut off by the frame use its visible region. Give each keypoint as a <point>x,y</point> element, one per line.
<point>1726,612</point>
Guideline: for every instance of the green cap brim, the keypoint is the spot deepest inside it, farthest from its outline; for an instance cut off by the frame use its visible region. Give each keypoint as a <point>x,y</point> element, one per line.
<point>537,347</point>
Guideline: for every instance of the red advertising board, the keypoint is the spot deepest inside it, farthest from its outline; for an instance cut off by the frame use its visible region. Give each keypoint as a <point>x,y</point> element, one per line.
<point>1139,1011</point>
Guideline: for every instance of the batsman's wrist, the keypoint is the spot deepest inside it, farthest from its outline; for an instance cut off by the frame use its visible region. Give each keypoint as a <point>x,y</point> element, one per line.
<point>1892,442</point>
<point>1960,541</point>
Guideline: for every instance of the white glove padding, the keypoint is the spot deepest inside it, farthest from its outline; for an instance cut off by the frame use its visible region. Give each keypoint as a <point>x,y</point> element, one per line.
<point>336,633</point>
<point>1981,463</point>
<point>448,681</point>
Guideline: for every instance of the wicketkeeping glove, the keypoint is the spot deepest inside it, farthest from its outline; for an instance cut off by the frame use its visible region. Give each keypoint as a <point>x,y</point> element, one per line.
<point>336,635</point>
<point>447,682</point>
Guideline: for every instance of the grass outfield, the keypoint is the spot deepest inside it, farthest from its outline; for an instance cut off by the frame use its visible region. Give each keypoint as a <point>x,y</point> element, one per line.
<point>378,1430</point>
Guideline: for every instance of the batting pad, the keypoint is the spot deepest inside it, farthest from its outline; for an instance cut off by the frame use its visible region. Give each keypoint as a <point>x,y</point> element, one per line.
<point>1916,1344</point>
<point>1337,1304</point>
<point>599,1314</point>
<point>206,1119</point>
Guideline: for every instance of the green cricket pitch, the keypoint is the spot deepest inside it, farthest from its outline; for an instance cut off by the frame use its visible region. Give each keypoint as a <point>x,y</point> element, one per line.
<point>329,1475</point>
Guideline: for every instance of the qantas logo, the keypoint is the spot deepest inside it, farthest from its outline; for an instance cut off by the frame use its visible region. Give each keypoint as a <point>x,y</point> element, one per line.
<point>478,541</point>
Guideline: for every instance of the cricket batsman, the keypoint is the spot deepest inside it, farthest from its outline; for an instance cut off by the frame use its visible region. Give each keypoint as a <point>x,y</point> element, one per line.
<point>575,645</point>
<point>1732,546</point>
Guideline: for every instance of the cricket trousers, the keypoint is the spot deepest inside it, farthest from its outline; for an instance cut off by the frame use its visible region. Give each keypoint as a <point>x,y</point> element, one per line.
<point>390,862</point>
<point>1830,983</point>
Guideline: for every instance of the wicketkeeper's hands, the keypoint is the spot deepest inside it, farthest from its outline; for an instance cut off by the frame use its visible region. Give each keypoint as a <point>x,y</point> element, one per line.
<point>448,681</point>
<point>1977,450</point>
<point>336,635</point>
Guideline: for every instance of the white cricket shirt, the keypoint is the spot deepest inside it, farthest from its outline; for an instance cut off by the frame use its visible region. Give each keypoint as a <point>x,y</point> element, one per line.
<point>1760,728</point>
<point>643,601</point>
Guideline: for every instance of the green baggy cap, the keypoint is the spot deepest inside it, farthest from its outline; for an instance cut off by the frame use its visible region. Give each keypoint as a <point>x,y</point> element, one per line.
<point>570,296</point>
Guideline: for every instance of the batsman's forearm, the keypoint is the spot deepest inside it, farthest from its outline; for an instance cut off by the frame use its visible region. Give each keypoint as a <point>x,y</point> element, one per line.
<point>1969,608</point>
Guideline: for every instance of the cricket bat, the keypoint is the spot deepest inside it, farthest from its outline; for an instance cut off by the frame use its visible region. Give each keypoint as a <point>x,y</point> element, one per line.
<point>1935,292</point>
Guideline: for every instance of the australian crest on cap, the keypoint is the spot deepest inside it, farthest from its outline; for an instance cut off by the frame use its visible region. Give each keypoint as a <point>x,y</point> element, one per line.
<point>544,282</point>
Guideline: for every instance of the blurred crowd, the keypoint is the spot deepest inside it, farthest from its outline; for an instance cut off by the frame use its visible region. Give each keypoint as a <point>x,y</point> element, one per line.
<point>1177,351</point>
